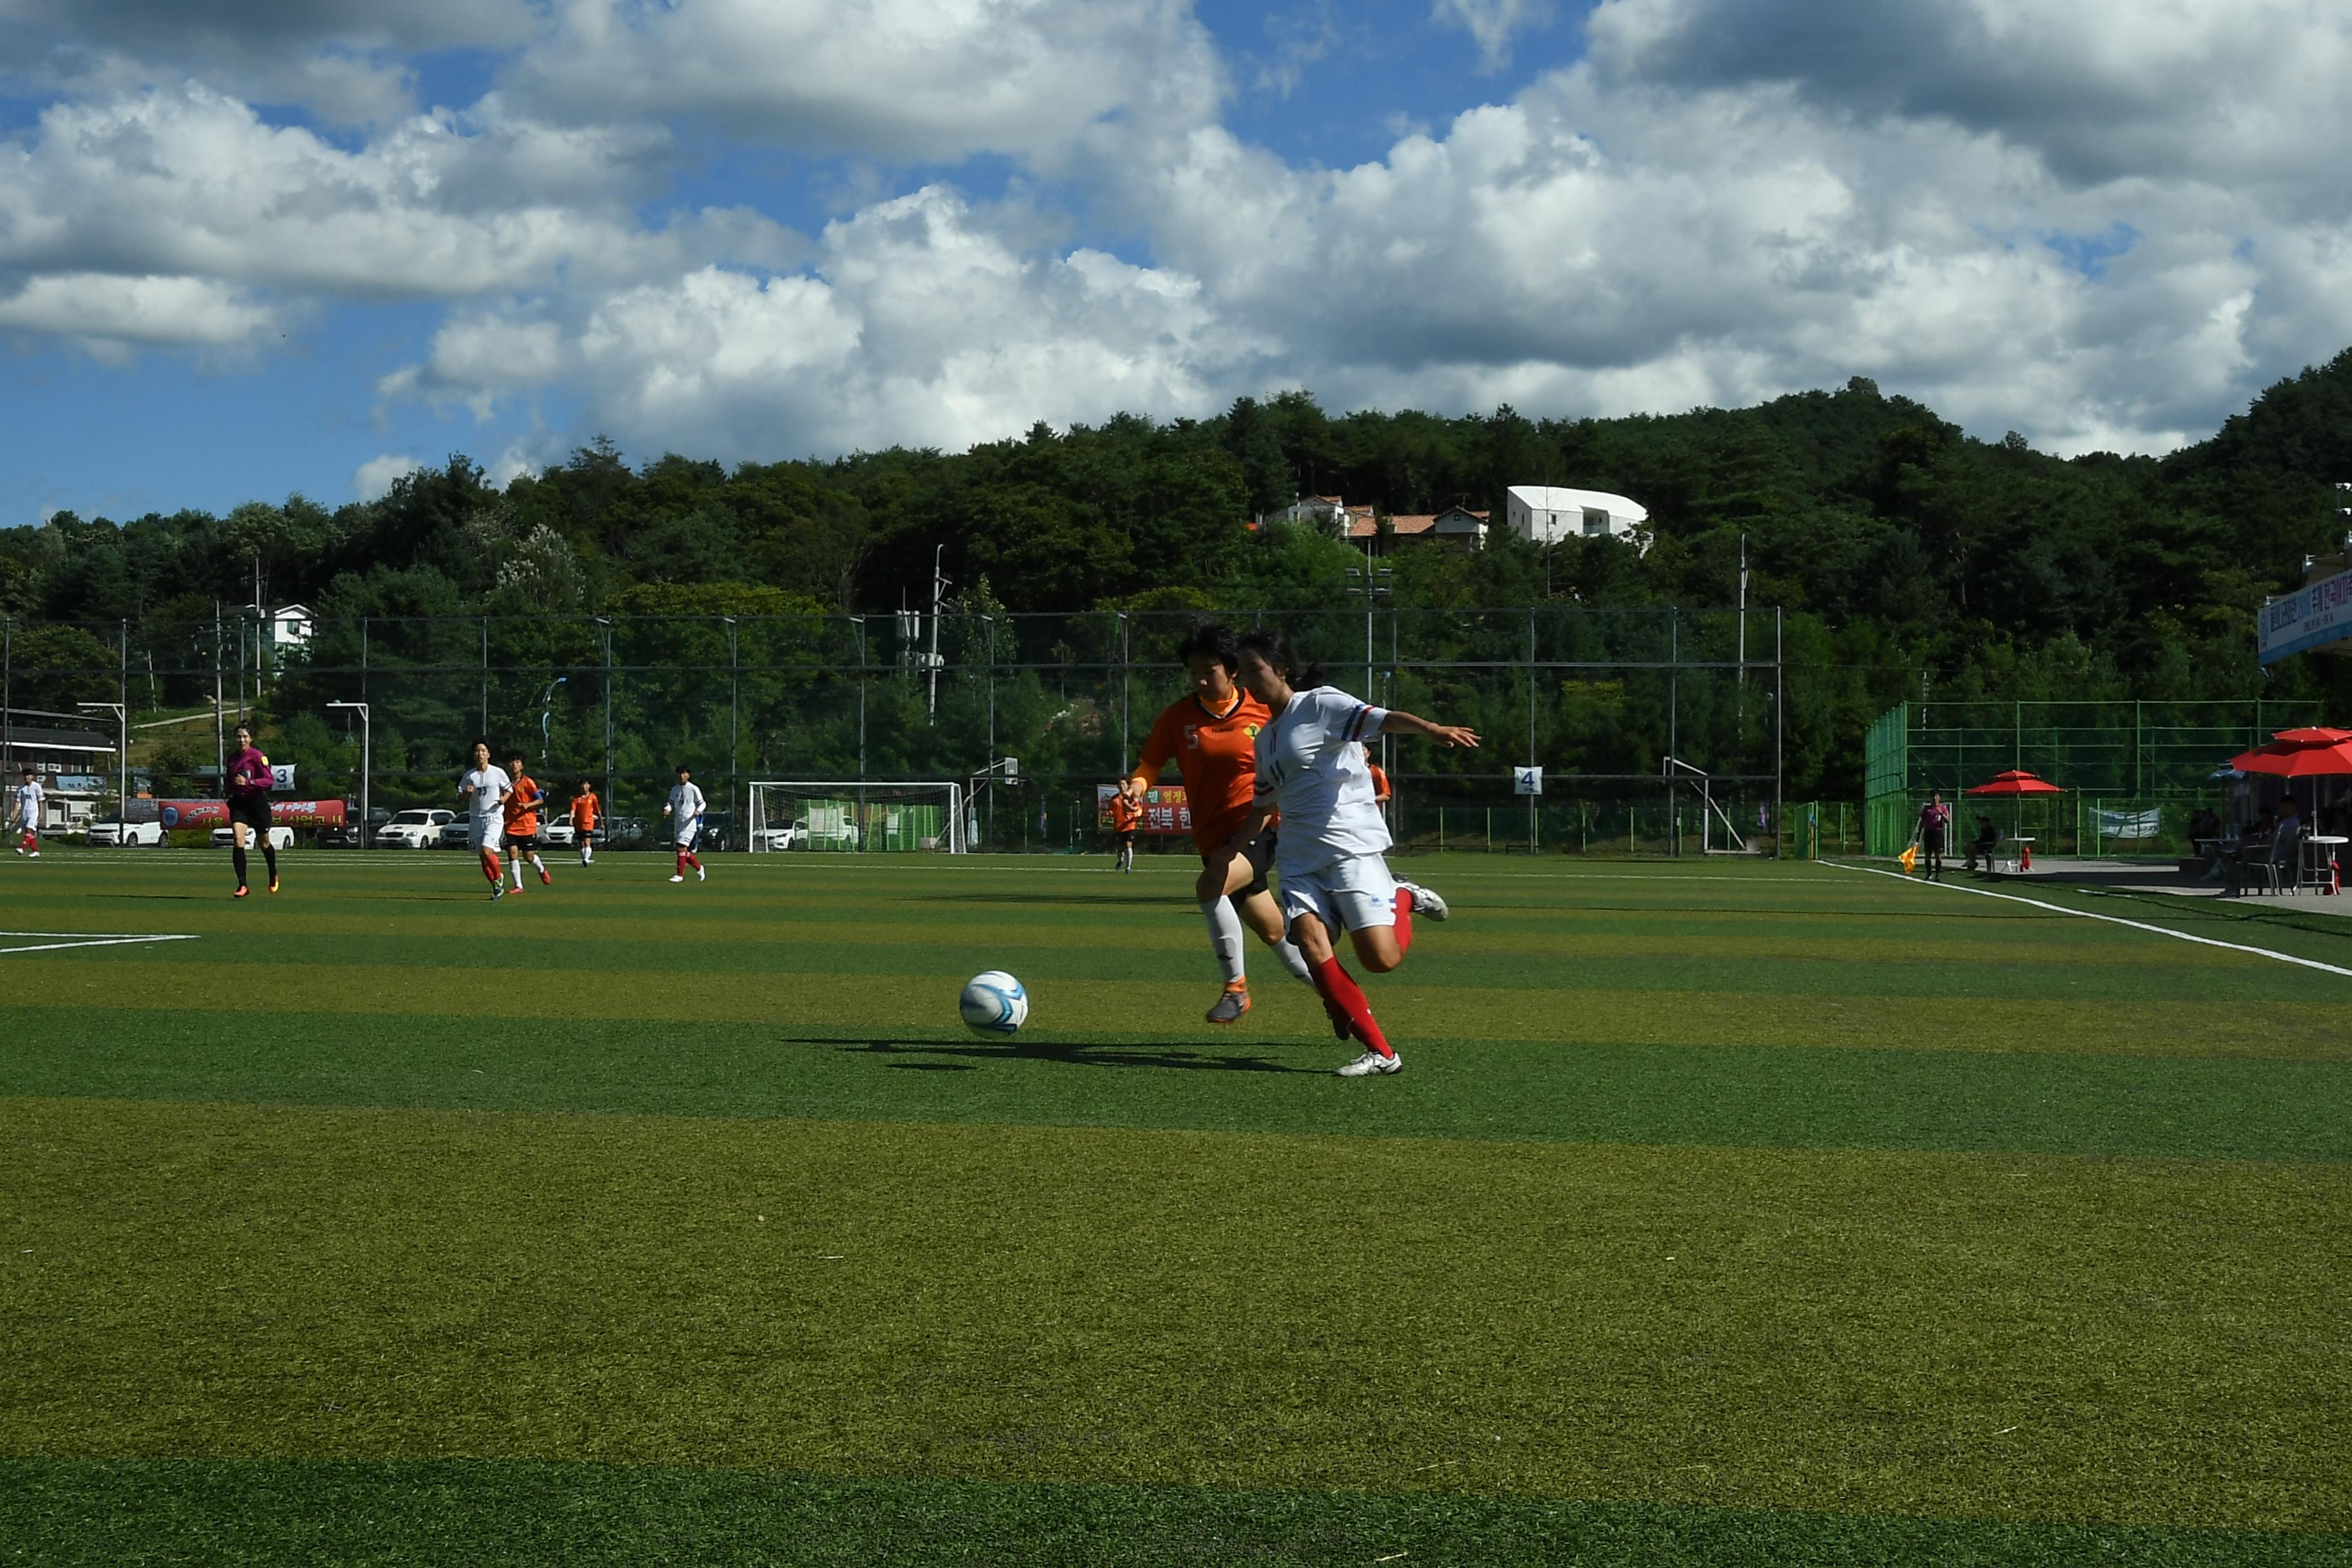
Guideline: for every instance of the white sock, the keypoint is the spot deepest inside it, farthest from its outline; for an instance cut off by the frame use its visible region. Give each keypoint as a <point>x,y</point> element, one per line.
<point>1293,960</point>
<point>1224,936</point>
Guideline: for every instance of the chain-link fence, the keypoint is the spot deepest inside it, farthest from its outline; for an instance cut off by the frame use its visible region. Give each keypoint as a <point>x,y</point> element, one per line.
<point>2133,775</point>
<point>1600,700</point>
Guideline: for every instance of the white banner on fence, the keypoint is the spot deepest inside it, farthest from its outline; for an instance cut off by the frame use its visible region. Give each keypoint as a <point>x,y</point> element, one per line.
<point>2313,614</point>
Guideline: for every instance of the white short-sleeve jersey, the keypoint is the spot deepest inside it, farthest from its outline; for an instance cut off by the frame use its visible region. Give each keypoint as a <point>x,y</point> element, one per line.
<point>686,804</point>
<point>484,789</point>
<point>26,800</point>
<point>1312,768</point>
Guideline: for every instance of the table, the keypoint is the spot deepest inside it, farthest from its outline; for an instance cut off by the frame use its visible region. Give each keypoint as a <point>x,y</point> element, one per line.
<point>2315,862</point>
<point>2022,859</point>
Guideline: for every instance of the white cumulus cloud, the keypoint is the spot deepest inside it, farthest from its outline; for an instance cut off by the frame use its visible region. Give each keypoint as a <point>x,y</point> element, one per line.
<point>375,475</point>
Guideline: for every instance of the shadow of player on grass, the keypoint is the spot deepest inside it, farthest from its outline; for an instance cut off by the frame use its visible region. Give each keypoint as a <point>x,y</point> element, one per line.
<point>1166,1058</point>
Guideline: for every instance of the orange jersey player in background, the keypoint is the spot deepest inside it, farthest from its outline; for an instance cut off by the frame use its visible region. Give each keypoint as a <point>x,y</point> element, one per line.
<point>523,806</point>
<point>586,812</point>
<point>1126,817</point>
<point>1212,737</point>
<point>1380,790</point>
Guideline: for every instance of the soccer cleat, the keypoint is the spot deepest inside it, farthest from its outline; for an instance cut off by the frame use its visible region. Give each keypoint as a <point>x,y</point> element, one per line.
<point>497,892</point>
<point>1370,1064</point>
<point>680,878</point>
<point>1425,903</point>
<point>698,875</point>
<point>34,855</point>
<point>241,892</point>
<point>545,879</point>
<point>273,881</point>
<point>1232,1005</point>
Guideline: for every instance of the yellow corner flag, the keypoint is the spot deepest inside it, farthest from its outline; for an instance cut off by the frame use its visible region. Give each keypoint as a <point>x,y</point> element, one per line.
<point>1911,860</point>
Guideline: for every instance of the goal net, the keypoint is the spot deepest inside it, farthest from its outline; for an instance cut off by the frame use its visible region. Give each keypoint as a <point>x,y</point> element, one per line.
<point>848,816</point>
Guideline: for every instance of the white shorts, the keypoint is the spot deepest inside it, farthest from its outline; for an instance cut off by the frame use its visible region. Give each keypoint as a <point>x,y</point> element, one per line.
<point>688,832</point>
<point>1350,894</point>
<point>488,836</point>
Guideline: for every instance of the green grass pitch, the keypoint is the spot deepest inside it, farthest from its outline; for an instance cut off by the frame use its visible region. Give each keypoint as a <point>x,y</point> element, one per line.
<point>1726,1213</point>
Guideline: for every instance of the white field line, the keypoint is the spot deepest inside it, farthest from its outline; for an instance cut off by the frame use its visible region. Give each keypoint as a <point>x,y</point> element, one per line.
<point>89,938</point>
<point>2111,919</point>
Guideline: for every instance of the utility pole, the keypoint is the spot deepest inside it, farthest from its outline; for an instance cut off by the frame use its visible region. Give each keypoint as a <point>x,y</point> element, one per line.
<point>931,659</point>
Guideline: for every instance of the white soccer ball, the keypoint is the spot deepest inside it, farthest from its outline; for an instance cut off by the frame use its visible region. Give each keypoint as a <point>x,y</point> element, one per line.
<point>993,1003</point>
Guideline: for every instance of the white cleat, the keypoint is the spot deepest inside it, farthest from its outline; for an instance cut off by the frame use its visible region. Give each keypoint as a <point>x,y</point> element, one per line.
<point>678,878</point>
<point>1371,1064</point>
<point>698,876</point>
<point>1425,903</point>
<point>497,892</point>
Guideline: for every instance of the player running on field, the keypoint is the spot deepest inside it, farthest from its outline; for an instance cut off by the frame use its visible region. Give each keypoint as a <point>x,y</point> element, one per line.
<point>1311,768</point>
<point>1126,817</point>
<point>24,812</point>
<point>484,789</point>
<point>248,808</point>
<point>525,800</point>
<point>1212,737</point>
<point>684,811</point>
<point>584,809</point>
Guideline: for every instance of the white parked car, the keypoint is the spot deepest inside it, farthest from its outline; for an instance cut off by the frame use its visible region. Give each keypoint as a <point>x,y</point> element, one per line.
<point>112,831</point>
<point>417,830</point>
<point>556,835</point>
<point>280,838</point>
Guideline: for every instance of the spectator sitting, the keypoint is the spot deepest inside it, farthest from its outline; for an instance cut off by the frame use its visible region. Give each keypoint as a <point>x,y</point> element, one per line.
<point>2284,838</point>
<point>1981,847</point>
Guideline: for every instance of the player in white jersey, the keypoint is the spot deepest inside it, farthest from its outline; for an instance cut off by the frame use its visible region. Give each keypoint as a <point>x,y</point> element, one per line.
<point>484,789</point>
<point>684,811</point>
<point>1311,768</point>
<point>24,812</point>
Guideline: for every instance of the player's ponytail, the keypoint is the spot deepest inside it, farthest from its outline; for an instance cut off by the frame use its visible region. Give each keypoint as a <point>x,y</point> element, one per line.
<point>1276,650</point>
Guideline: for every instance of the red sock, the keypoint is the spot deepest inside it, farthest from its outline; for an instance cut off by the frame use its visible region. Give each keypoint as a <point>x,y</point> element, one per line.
<point>681,862</point>
<point>490,868</point>
<point>1404,920</point>
<point>686,860</point>
<point>1340,990</point>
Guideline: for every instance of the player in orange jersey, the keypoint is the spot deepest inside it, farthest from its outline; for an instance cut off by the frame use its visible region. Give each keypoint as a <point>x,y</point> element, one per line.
<point>1126,817</point>
<point>523,806</point>
<point>586,812</point>
<point>1380,790</point>
<point>1212,737</point>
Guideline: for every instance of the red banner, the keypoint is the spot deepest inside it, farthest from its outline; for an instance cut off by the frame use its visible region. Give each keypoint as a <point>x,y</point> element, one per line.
<point>214,813</point>
<point>1164,811</point>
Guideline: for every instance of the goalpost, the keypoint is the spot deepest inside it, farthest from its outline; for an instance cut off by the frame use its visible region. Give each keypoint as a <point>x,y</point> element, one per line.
<point>857,817</point>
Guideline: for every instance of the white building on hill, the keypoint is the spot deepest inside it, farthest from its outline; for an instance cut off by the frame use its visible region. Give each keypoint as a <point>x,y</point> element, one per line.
<point>1546,515</point>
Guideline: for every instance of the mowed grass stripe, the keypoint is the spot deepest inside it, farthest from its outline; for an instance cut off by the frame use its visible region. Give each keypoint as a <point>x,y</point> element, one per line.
<point>1778,1096</point>
<point>2010,1337</point>
<point>1076,1009</point>
<point>129,1514</point>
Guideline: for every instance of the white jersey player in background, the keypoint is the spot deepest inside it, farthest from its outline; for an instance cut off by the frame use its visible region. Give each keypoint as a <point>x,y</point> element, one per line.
<point>1311,768</point>
<point>484,789</point>
<point>24,813</point>
<point>684,811</point>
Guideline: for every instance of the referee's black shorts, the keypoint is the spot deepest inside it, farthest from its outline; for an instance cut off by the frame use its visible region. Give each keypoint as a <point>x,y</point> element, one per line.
<point>251,810</point>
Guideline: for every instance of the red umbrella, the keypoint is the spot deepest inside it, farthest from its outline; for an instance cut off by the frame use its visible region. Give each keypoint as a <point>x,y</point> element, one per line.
<point>2016,781</point>
<point>2316,737</point>
<point>2286,759</point>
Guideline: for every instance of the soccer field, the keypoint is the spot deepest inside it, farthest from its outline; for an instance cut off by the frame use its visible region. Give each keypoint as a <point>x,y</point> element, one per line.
<point>1725,1212</point>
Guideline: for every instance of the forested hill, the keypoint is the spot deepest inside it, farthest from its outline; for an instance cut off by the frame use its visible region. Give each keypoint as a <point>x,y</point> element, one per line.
<point>1898,543</point>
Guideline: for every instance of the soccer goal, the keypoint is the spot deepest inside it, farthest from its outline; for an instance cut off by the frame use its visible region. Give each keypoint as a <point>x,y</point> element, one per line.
<point>850,817</point>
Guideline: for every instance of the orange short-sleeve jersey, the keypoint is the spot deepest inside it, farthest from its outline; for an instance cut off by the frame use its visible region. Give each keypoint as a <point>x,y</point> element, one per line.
<point>522,805</point>
<point>1216,754</point>
<point>1124,814</point>
<point>583,811</point>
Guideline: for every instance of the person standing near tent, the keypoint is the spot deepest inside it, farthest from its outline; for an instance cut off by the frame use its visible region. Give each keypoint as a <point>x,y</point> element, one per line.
<point>1935,821</point>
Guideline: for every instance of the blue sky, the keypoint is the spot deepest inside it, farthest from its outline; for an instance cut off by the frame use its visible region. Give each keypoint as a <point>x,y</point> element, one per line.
<point>248,249</point>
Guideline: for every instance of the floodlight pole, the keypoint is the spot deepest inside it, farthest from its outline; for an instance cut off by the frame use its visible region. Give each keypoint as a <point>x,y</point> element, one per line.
<point>605,628</point>
<point>121,754</point>
<point>546,716</point>
<point>734,712</point>
<point>367,765</point>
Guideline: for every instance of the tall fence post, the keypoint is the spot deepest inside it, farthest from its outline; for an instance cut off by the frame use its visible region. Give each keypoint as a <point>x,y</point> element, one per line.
<point>122,702</point>
<point>9,698</point>
<point>485,678</point>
